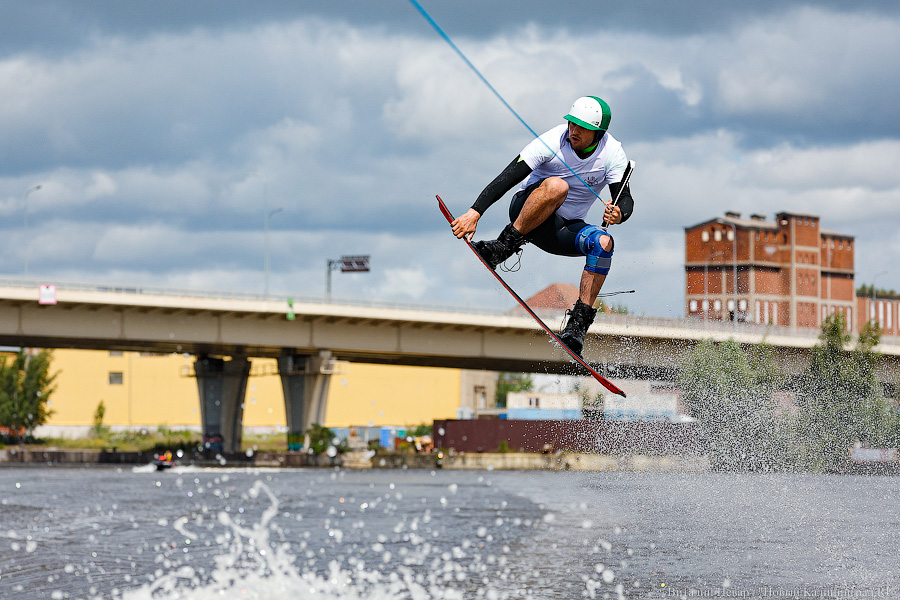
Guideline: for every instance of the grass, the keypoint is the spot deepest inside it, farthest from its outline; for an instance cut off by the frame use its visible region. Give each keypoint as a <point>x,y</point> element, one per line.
<point>164,439</point>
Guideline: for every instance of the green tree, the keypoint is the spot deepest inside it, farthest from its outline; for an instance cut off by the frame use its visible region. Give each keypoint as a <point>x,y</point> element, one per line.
<point>511,382</point>
<point>100,430</point>
<point>729,391</point>
<point>603,307</point>
<point>320,438</point>
<point>420,430</point>
<point>25,388</point>
<point>841,397</point>
<point>592,404</point>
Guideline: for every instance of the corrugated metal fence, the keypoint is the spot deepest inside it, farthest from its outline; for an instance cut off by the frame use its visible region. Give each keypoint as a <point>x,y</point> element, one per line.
<point>602,437</point>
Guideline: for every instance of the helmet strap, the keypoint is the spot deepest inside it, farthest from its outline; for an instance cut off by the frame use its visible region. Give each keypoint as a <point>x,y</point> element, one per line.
<point>598,135</point>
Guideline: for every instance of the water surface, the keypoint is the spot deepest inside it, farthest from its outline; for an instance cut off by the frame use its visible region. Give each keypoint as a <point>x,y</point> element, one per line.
<point>323,534</point>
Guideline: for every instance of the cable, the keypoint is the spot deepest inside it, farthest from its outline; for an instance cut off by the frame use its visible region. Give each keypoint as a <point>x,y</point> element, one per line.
<point>608,294</point>
<point>484,80</point>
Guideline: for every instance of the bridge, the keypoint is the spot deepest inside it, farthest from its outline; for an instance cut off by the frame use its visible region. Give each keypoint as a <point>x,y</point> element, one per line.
<point>306,337</point>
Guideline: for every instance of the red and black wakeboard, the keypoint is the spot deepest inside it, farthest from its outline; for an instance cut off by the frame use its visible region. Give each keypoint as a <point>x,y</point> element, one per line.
<point>603,380</point>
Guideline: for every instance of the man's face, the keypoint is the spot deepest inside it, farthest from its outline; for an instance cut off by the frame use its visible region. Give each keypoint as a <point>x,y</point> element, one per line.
<point>579,137</point>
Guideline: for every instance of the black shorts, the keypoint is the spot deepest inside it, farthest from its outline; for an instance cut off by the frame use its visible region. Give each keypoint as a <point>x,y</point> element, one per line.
<point>555,235</point>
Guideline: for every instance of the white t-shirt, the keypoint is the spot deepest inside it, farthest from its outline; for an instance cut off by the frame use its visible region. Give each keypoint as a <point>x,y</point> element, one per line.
<point>605,165</point>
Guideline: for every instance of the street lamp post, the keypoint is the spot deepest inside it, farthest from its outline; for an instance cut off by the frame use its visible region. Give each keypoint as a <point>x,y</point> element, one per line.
<point>347,264</point>
<point>268,216</point>
<point>25,203</point>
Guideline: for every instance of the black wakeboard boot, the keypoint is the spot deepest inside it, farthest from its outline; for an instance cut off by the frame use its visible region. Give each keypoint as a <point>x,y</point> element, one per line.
<point>580,319</point>
<point>496,251</point>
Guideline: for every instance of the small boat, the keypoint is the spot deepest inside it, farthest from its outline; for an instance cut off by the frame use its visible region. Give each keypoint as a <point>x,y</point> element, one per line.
<point>164,461</point>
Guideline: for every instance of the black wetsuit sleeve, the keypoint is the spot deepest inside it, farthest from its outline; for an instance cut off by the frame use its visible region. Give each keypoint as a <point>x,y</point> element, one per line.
<point>626,202</point>
<point>514,172</point>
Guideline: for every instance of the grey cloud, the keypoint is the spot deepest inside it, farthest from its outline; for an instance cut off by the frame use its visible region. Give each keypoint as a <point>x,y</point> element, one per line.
<point>159,143</point>
<point>56,26</point>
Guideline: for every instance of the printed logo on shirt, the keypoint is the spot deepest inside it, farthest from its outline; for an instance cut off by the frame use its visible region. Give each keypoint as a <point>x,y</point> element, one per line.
<point>593,180</point>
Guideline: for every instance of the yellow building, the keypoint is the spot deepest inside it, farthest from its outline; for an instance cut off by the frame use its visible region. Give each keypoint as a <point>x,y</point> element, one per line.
<point>152,390</point>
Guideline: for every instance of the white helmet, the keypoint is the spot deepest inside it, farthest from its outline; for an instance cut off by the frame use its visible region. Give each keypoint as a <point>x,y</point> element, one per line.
<point>591,113</point>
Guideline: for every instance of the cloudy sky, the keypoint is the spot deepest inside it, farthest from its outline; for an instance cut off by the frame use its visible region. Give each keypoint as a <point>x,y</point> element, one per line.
<point>163,133</point>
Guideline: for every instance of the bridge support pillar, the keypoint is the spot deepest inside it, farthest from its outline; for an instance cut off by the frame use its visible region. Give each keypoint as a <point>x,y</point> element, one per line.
<point>222,385</point>
<point>305,381</point>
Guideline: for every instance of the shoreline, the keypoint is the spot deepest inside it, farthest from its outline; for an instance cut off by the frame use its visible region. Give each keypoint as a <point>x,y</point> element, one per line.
<point>509,461</point>
<point>12,456</point>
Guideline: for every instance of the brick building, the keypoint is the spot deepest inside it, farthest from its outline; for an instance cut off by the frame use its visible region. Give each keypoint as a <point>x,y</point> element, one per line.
<point>883,307</point>
<point>789,272</point>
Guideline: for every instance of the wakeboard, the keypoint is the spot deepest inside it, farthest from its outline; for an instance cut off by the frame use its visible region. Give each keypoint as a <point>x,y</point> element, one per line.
<point>553,335</point>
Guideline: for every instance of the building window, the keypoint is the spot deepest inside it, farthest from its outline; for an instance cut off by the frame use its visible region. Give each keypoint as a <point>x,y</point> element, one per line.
<point>115,353</point>
<point>704,235</point>
<point>717,235</point>
<point>693,306</point>
<point>115,378</point>
<point>742,304</point>
<point>717,305</point>
<point>730,235</point>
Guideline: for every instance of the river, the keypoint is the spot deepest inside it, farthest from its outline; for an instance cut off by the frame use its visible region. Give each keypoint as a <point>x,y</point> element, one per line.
<point>191,534</point>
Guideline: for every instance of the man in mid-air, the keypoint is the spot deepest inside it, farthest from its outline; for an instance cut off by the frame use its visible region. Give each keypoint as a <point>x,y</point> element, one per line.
<point>550,208</point>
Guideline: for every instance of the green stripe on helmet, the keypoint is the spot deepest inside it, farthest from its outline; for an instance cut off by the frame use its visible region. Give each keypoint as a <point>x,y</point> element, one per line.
<point>607,113</point>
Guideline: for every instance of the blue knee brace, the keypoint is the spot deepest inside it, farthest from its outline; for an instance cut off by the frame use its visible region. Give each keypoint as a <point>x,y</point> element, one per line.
<point>598,259</point>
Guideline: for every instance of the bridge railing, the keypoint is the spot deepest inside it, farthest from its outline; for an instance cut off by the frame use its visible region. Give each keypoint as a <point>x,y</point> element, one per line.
<point>694,324</point>
<point>551,316</point>
<point>231,295</point>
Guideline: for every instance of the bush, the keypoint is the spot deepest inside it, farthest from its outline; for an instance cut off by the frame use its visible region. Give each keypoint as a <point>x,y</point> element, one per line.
<point>321,438</point>
<point>729,391</point>
<point>99,429</point>
<point>26,386</point>
<point>503,447</point>
<point>841,397</point>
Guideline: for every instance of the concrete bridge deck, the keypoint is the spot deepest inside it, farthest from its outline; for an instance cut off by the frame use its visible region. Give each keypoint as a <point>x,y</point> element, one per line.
<point>215,327</point>
<point>166,321</point>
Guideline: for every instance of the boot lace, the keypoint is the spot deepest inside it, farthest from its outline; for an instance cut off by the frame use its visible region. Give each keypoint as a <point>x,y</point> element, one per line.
<point>574,320</point>
<point>515,266</point>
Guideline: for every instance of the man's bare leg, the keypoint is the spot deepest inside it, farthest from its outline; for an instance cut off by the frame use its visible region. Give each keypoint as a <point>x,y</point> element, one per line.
<point>591,283</point>
<point>582,314</point>
<point>541,203</point>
